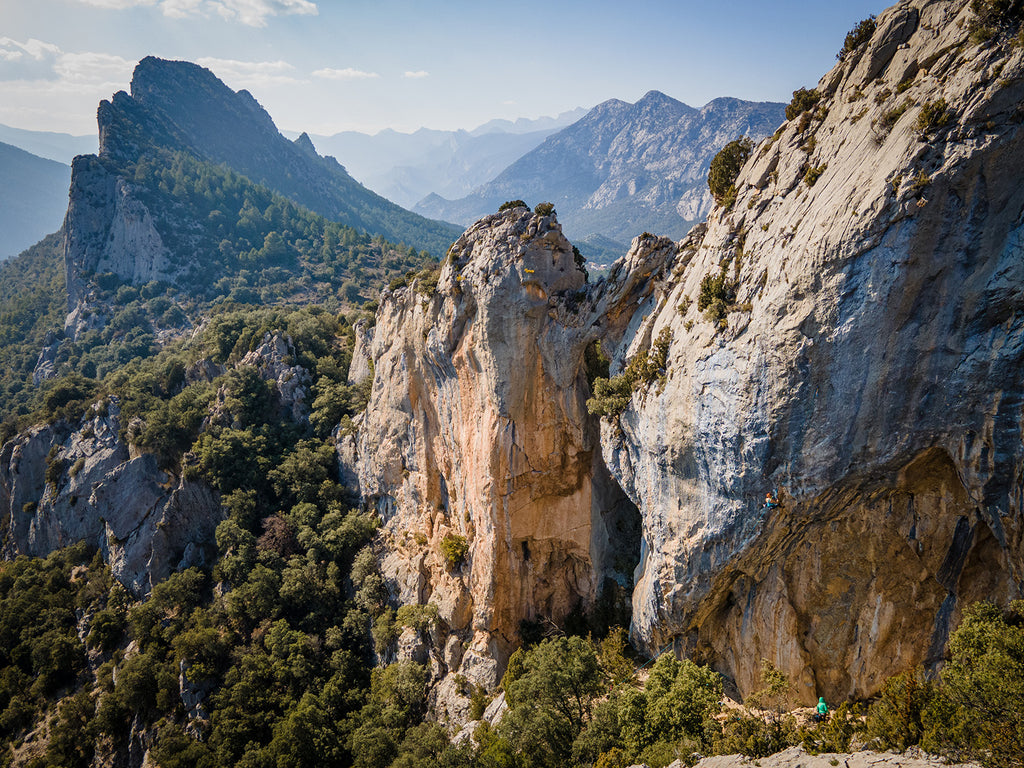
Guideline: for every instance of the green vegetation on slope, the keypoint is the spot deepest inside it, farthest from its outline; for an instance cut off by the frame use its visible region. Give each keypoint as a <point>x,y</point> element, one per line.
<point>237,243</point>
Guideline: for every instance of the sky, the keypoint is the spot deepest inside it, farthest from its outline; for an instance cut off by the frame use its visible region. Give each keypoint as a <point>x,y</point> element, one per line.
<point>325,66</point>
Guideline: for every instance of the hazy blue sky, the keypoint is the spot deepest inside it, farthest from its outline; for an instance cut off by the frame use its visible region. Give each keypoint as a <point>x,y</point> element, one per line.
<point>326,66</point>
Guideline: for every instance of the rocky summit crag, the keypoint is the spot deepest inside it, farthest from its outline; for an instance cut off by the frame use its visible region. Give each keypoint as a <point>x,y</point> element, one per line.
<point>848,334</point>
<point>177,104</point>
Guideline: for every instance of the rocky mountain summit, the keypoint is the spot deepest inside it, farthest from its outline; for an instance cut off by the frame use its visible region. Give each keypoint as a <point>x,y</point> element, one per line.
<point>623,168</point>
<point>183,160</point>
<point>177,104</point>
<point>846,332</point>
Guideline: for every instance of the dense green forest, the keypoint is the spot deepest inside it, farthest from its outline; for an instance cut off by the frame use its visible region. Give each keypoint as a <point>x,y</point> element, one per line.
<point>238,245</point>
<point>279,637</point>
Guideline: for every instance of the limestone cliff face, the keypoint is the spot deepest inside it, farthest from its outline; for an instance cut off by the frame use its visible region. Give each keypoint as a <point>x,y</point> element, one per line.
<point>108,229</point>
<point>477,428</point>
<point>869,370</point>
<point>59,486</point>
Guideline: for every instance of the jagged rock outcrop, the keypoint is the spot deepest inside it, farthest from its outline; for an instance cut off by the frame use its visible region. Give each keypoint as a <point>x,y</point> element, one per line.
<point>59,486</point>
<point>108,229</point>
<point>865,363</point>
<point>477,434</point>
<point>868,369</point>
<point>273,359</point>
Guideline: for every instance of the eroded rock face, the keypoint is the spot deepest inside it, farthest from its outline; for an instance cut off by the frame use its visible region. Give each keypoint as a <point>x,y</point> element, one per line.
<point>869,371</point>
<point>59,486</point>
<point>108,229</point>
<point>477,430</point>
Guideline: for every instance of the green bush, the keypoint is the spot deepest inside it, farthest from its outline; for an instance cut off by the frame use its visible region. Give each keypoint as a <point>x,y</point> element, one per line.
<point>717,295</point>
<point>419,617</point>
<point>551,698</point>
<point>884,124</point>
<point>725,167</point>
<point>769,731</point>
<point>612,396</point>
<point>814,173</point>
<point>454,549</point>
<point>510,204</point>
<point>857,36</point>
<point>981,708</point>
<point>833,735</point>
<point>996,13</point>
<point>803,101</point>
<point>933,116</point>
<point>896,720</point>
<point>544,209</point>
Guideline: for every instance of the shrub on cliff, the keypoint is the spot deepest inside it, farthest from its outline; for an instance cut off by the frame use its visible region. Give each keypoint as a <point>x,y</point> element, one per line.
<point>717,295</point>
<point>856,37</point>
<point>544,209</point>
<point>996,13</point>
<point>612,396</point>
<point>933,116</point>
<point>454,549</point>
<point>803,100</point>
<point>725,167</point>
<point>510,204</point>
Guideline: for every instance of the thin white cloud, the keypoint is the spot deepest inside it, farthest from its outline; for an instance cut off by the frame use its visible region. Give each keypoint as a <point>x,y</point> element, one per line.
<point>250,74</point>
<point>117,5</point>
<point>29,60</point>
<point>35,60</point>
<point>94,68</point>
<point>252,13</point>
<point>344,74</point>
<point>418,75</point>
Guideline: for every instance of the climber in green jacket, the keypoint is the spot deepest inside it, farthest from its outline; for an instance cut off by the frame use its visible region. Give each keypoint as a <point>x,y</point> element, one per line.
<point>821,715</point>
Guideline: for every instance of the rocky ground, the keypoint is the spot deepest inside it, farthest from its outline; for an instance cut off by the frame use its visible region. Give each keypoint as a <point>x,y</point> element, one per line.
<point>796,757</point>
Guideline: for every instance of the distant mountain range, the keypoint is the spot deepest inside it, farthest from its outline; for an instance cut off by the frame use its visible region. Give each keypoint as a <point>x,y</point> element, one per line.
<point>33,198</point>
<point>622,169</point>
<point>406,167</point>
<point>61,147</point>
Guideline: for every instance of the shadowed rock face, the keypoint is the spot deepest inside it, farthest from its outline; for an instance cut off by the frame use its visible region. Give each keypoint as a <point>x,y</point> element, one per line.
<point>868,371</point>
<point>59,486</point>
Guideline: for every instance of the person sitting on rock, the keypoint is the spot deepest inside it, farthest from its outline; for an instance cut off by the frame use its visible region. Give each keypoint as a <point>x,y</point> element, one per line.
<point>821,713</point>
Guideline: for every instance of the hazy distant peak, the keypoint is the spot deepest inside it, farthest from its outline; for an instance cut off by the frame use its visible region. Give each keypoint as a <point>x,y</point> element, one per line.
<point>657,98</point>
<point>306,144</point>
<point>528,125</point>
